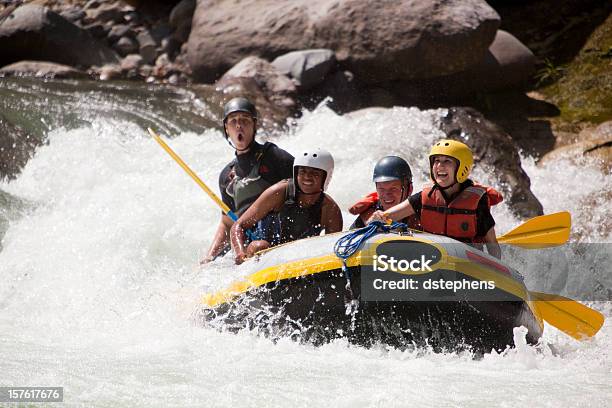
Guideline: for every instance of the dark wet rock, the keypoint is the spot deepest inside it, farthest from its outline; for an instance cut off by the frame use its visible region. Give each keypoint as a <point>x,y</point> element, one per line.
<point>494,149</point>
<point>278,87</point>
<point>170,46</point>
<point>41,69</point>
<point>118,31</point>
<point>33,32</point>
<point>16,148</point>
<point>308,67</point>
<point>147,46</point>
<point>345,93</point>
<point>405,39</point>
<point>126,45</point>
<point>97,30</point>
<point>159,32</point>
<point>180,19</point>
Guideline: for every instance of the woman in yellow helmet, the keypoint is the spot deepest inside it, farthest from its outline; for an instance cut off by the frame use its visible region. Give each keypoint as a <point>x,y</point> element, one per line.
<point>454,206</point>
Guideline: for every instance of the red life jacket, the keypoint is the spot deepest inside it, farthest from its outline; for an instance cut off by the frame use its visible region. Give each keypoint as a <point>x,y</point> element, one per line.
<point>368,204</point>
<point>456,219</point>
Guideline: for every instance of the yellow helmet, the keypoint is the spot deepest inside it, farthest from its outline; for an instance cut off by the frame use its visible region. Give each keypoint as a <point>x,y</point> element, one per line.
<point>458,151</point>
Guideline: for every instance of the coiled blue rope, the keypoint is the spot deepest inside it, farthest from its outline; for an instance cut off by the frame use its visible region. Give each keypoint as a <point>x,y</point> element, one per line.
<point>346,246</point>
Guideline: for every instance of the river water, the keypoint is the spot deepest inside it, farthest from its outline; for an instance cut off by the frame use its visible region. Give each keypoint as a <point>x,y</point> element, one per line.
<point>101,235</point>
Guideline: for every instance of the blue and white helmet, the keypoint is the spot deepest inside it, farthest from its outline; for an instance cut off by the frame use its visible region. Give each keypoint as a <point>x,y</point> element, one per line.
<point>316,158</point>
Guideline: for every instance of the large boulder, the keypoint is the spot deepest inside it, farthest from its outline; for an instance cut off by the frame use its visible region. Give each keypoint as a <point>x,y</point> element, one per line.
<point>309,67</point>
<point>41,69</point>
<point>277,87</point>
<point>32,32</point>
<point>180,19</point>
<point>494,149</point>
<point>405,39</point>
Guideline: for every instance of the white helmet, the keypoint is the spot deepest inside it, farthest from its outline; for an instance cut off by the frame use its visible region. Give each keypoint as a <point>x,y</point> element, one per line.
<point>316,158</point>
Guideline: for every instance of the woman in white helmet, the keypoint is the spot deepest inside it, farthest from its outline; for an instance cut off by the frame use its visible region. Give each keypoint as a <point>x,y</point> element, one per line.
<point>302,207</point>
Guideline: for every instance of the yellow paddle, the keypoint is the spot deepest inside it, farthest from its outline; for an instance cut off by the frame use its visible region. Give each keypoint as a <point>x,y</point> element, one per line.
<point>569,316</point>
<point>540,232</point>
<point>199,181</point>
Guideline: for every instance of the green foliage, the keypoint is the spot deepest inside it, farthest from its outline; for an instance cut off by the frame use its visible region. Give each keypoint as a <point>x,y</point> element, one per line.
<point>549,73</point>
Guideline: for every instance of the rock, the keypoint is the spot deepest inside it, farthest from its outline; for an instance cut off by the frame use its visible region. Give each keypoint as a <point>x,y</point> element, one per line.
<point>145,71</point>
<point>173,79</point>
<point>118,31</point>
<point>16,148</point>
<point>147,46</point>
<point>126,46</point>
<point>73,14</point>
<point>180,19</point>
<point>32,32</point>
<point>159,32</point>
<point>104,13</point>
<point>273,116</point>
<point>308,67</point>
<point>603,131</point>
<point>131,62</point>
<point>110,71</point>
<point>494,149</point>
<point>182,13</point>
<point>170,46</point>
<point>277,87</point>
<point>345,93</point>
<point>97,30</point>
<point>132,17</point>
<point>596,152</point>
<point>507,64</point>
<point>41,69</point>
<point>405,39</point>
<point>91,4</point>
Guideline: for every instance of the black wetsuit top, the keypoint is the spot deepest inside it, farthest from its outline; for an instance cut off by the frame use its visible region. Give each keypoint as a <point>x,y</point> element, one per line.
<point>297,222</point>
<point>275,165</point>
<point>484,219</point>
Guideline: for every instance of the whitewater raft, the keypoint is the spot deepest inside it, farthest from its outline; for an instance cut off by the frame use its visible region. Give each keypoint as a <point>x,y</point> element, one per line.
<point>462,299</point>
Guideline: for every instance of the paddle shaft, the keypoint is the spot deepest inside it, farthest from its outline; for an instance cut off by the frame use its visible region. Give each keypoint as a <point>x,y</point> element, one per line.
<point>199,181</point>
<point>194,176</point>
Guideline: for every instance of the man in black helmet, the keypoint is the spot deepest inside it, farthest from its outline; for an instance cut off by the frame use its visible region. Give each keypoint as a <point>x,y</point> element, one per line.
<point>255,168</point>
<point>393,179</point>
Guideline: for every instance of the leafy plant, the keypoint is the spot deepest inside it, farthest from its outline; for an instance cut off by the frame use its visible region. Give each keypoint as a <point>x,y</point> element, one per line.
<point>549,73</point>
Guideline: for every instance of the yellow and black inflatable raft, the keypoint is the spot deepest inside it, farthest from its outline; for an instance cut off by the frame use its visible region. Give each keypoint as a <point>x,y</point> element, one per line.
<point>399,289</point>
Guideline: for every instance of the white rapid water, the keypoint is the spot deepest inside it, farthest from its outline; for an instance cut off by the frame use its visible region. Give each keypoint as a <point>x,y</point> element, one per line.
<point>99,278</point>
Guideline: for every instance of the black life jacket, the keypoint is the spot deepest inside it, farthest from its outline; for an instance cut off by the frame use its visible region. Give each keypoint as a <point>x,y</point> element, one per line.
<point>297,222</point>
<point>245,190</point>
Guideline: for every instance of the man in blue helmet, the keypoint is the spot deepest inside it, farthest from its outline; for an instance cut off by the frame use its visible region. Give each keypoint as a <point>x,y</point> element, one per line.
<point>254,168</point>
<point>393,179</point>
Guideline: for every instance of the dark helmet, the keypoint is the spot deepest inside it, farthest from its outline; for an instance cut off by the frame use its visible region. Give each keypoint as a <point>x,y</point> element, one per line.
<point>392,168</point>
<point>238,105</point>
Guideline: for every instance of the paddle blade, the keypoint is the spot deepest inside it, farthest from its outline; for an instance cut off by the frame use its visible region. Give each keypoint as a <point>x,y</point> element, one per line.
<point>540,232</point>
<point>569,316</point>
